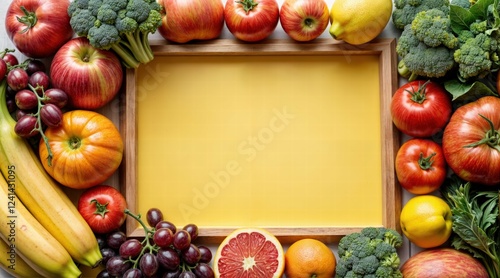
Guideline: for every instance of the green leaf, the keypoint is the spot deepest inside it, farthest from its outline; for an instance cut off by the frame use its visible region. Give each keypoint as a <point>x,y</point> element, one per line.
<point>460,18</point>
<point>466,92</point>
<point>480,9</point>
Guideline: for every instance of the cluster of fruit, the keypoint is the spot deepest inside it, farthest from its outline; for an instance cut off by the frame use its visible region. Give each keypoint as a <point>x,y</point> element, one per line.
<point>165,251</point>
<point>29,95</point>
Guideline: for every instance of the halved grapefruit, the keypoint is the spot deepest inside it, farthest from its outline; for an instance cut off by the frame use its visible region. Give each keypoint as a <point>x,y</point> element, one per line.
<point>249,252</point>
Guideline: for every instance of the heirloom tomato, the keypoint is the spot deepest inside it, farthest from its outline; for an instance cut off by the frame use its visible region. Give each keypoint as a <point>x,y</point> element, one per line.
<point>38,28</point>
<point>103,208</point>
<point>84,150</point>
<point>420,166</point>
<point>251,20</point>
<point>471,141</point>
<point>421,108</point>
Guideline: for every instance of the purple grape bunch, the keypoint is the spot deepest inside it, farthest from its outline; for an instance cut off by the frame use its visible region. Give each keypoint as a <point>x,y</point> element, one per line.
<point>164,252</point>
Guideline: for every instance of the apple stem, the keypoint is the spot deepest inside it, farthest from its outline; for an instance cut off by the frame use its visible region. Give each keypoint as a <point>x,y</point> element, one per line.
<point>248,5</point>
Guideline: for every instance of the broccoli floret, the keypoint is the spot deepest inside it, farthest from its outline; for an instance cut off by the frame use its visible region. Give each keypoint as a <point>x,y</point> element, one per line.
<point>132,21</point>
<point>478,27</point>
<point>383,250</point>
<point>82,21</point>
<point>116,5</point>
<point>387,272</point>
<point>406,10</point>
<point>433,27</point>
<point>476,56</point>
<point>106,14</point>
<point>418,59</point>
<point>138,10</point>
<point>366,265</point>
<point>393,238</point>
<point>361,254</point>
<point>103,36</point>
<point>461,3</point>
<point>93,6</point>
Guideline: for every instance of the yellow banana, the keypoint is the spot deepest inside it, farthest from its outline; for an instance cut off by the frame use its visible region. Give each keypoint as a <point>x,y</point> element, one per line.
<point>13,264</point>
<point>41,195</point>
<point>28,239</point>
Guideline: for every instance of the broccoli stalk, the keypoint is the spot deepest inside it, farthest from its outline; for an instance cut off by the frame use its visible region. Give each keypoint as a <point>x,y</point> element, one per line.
<point>122,26</point>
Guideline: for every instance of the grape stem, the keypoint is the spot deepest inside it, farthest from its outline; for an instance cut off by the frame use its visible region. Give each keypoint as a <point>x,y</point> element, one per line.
<point>38,126</point>
<point>146,243</point>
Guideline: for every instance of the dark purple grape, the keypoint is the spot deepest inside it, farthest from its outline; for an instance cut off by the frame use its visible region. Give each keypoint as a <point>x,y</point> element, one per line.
<point>40,81</point>
<point>56,96</point>
<point>172,273</point>
<point>117,265</point>
<point>203,270</point>
<point>20,113</point>
<point>3,69</point>
<point>107,253</point>
<point>11,105</point>
<point>148,264</point>
<point>10,59</point>
<point>163,237</point>
<point>191,255</point>
<point>35,65</point>
<point>51,115</point>
<point>192,229</point>
<point>168,258</point>
<point>104,274</point>
<point>132,273</point>
<point>101,240</point>
<point>187,274</point>
<point>115,239</point>
<point>131,248</point>
<point>26,99</point>
<point>206,254</point>
<point>17,79</point>
<point>153,216</point>
<point>166,224</point>
<point>25,126</point>
<point>182,240</point>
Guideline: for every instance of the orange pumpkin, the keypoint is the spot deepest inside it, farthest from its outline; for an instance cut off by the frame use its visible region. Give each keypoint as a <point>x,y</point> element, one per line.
<point>86,149</point>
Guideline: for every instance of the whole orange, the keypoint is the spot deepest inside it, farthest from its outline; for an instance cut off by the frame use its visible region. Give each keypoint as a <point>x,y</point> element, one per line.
<point>309,258</point>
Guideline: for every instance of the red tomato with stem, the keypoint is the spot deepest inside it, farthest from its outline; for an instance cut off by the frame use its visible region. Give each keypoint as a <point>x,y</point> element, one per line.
<point>420,166</point>
<point>103,208</point>
<point>38,28</point>
<point>421,108</point>
<point>251,20</point>
<point>471,141</point>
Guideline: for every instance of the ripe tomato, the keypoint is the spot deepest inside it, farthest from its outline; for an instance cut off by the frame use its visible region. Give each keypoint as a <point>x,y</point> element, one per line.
<point>420,166</point>
<point>471,141</point>
<point>38,28</point>
<point>103,208</point>
<point>251,20</point>
<point>421,108</point>
<point>86,149</point>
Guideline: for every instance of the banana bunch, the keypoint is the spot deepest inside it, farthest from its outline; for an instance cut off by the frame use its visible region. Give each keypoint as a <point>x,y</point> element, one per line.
<point>49,232</point>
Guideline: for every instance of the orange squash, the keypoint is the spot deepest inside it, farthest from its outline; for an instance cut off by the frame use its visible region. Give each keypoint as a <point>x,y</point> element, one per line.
<point>86,147</point>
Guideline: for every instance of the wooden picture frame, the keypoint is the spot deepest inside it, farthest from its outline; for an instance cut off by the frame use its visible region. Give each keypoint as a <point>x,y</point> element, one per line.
<point>383,50</point>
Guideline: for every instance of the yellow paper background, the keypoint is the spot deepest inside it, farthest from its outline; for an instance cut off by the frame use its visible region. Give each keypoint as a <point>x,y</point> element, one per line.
<point>275,141</point>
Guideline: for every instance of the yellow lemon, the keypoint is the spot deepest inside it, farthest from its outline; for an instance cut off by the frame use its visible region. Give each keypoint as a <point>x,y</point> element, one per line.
<point>359,21</point>
<point>426,221</point>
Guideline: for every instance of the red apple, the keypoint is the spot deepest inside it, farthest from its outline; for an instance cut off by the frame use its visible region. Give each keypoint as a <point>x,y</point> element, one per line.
<point>443,262</point>
<point>304,20</point>
<point>90,77</point>
<point>189,20</point>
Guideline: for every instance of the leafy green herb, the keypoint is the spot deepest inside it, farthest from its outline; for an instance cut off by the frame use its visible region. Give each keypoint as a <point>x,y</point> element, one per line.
<point>476,221</point>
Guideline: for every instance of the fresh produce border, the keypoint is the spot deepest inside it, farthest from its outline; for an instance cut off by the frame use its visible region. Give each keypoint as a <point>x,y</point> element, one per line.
<point>448,52</point>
